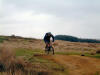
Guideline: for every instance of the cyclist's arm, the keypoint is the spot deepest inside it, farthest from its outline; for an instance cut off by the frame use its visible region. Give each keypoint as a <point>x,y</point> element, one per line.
<point>53,38</point>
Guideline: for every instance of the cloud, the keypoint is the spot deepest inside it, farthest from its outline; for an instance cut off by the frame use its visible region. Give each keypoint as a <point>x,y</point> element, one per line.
<point>36,17</point>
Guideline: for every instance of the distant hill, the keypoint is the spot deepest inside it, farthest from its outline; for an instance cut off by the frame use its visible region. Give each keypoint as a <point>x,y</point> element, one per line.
<point>75,39</point>
<point>13,37</point>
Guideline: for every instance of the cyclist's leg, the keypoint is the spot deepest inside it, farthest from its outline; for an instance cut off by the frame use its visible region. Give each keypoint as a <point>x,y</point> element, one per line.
<point>47,49</point>
<point>51,44</point>
<point>51,47</point>
<point>47,43</point>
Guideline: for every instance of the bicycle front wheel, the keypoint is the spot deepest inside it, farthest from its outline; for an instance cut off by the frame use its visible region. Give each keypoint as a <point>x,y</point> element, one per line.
<point>52,49</point>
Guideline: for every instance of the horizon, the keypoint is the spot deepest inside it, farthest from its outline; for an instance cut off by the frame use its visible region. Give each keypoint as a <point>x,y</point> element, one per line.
<point>33,18</point>
<point>54,35</point>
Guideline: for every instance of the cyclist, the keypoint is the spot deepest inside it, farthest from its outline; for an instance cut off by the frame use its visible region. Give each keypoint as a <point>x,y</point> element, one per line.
<point>47,38</point>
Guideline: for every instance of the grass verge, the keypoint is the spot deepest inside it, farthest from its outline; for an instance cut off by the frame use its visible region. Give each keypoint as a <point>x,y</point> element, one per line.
<point>28,54</point>
<point>79,53</point>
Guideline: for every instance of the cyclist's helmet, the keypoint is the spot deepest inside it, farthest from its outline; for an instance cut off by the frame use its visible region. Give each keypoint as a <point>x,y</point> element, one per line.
<point>49,33</point>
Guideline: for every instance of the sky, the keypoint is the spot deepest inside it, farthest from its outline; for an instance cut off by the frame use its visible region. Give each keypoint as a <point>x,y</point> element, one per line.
<point>33,18</point>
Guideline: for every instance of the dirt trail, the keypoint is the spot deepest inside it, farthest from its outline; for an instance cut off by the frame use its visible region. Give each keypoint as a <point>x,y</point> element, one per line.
<point>77,65</point>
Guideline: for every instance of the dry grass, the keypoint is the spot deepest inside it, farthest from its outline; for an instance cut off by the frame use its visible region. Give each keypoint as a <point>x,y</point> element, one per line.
<point>60,46</point>
<point>12,65</point>
<point>27,64</point>
<point>77,65</point>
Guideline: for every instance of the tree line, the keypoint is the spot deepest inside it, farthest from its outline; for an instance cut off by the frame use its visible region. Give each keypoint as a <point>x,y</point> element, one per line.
<point>75,39</point>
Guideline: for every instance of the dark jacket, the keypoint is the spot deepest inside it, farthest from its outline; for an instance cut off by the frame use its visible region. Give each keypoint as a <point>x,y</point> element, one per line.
<point>47,38</point>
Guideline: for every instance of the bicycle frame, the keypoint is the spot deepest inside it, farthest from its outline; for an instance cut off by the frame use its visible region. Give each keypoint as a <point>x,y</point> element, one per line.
<point>49,47</point>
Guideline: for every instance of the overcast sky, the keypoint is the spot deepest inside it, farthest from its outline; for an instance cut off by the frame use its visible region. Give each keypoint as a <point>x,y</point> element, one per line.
<point>33,18</point>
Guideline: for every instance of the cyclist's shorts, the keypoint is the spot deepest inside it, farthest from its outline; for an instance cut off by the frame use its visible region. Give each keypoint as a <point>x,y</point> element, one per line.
<point>47,42</point>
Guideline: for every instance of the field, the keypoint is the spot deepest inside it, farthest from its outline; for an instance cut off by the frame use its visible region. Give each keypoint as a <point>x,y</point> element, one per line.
<point>26,56</point>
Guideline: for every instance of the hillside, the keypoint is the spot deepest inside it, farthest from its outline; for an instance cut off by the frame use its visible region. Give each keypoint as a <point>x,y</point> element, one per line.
<point>75,39</point>
<point>27,57</point>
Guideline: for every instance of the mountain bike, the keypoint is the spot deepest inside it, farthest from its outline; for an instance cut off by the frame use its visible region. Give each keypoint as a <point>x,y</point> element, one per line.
<point>49,49</point>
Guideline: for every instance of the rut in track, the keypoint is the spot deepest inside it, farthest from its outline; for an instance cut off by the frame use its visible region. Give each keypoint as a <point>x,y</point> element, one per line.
<point>77,65</point>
